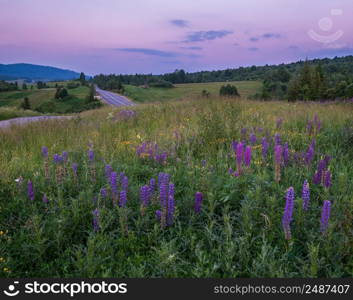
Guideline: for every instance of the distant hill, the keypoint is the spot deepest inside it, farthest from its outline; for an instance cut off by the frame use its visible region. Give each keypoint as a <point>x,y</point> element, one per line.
<point>35,72</point>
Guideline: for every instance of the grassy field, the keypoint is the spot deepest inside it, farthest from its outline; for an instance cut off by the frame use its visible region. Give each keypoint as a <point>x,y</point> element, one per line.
<point>61,219</point>
<point>188,91</point>
<point>42,101</point>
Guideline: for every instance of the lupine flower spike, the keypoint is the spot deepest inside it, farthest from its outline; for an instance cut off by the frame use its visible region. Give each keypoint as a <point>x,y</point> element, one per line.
<point>198,202</point>
<point>325,216</point>
<point>288,213</point>
<point>306,195</point>
<point>278,162</point>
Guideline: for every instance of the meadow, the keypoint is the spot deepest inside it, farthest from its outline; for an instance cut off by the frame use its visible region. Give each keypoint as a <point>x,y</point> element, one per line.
<point>191,188</point>
<point>188,91</point>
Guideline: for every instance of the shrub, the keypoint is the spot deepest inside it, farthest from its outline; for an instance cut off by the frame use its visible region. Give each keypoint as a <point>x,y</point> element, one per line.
<point>229,91</point>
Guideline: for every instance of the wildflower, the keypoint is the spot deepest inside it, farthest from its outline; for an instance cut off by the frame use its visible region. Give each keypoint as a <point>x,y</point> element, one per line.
<point>152,185</point>
<point>306,195</point>
<point>65,155</point>
<point>309,156</point>
<point>107,171</point>
<point>164,189</point>
<point>145,195</point>
<point>57,159</point>
<point>278,160</point>
<point>45,152</point>
<point>325,216</point>
<point>90,155</point>
<point>123,198</point>
<point>45,199</point>
<point>95,221</point>
<point>203,163</point>
<point>158,214</point>
<point>327,179</point>
<point>114,187</point>
<point>30,190</point>
<point>103,193</point>
<point>74,167</point>
<point>171,205</point>
<point>124,183</point>
<point>277,139</point>
<point>234,146</point>
<point>247,156</point>
<point>253,139</point>
<point>239,156</point>
<point>285,154</point>
<point>198,202</point>
<point>288,212</point>
<point>265,146</point>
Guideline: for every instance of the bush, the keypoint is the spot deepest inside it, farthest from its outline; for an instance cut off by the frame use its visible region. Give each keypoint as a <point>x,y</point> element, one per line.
<point>161,84</point>
<point>25,104</point>
<point>229,91</point>
<point>61,93</point>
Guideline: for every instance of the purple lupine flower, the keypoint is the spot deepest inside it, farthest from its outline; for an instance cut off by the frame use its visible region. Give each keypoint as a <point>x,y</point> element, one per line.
<point>65,156</point>
<point>230,171</point>
<point>325,216</point>
<point>247,156</point>
<point>103,193</point>
<point>327,179</point>
<point>317,178</point>
<point>198,202</point>
<point>265,146</point>
<point>309,126</point>
<point>253,139</point>
<point>288,213</point>
<point>30,190</point>
<point>234,146</point>
<point>45,152</point>
<point>309,155</point>
<point>90,155</point>
<point>277,139</point>
<point>95,221</point>
<point>107,171</point>
<point>74,167</point>
<point>45,199</point>
<point>158,214</point>
<point>239,155</point>
<point>145,195</point>
<point>57,159</point>
<point>123,198</point>
<point>114,186</point>
<point>203,163</point>
<point>125,183</point>
<point>152,185</point>
<point>306,195</point>
<point>164,189</point>
<point>243,132</point>
<point>326,160</point>
<point>278,154</point>
<point>285,154</point>
<point>171,205</point>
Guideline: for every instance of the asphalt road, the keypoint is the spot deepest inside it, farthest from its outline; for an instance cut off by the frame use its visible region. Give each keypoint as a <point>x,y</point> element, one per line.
<point>113,98</point>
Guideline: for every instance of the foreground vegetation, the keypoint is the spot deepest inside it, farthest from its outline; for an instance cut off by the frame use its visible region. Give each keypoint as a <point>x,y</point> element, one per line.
<point>70,214</point>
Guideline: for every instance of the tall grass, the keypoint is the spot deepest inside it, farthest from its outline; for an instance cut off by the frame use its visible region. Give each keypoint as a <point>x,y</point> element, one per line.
<point>238,232</point>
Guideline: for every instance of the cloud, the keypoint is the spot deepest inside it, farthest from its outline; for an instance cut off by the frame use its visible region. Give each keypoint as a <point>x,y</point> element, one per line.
<point>253,49</point>
<point>179,23</point>
<point>192,48</point>
<point>200,36</point>
<point>266,36</point>
<point>147,51</point>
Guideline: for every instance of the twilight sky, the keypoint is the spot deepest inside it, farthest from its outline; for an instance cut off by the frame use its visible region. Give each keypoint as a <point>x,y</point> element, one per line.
<point>157,36</point>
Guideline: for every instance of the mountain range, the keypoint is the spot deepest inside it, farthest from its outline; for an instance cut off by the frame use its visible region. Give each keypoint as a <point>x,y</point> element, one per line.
<point>32,72</point>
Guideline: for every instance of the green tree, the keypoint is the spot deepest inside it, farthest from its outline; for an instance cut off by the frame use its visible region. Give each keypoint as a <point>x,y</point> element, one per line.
<point>229,91</point>
<point>24,86</point>
<point>26,104</point>
<point>82,78</point>
<point>61,93</point>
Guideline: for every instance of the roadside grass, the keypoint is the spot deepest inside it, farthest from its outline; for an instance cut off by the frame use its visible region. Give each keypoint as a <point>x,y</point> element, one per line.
<point>11,112</point>
<point>238,232</point>
<point>188,91</point>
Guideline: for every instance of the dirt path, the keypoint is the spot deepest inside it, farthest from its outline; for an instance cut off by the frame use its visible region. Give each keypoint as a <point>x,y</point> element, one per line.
<point>25,120</point>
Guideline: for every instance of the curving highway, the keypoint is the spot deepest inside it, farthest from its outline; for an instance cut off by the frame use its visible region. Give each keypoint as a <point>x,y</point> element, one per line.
<point>114,98</point>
